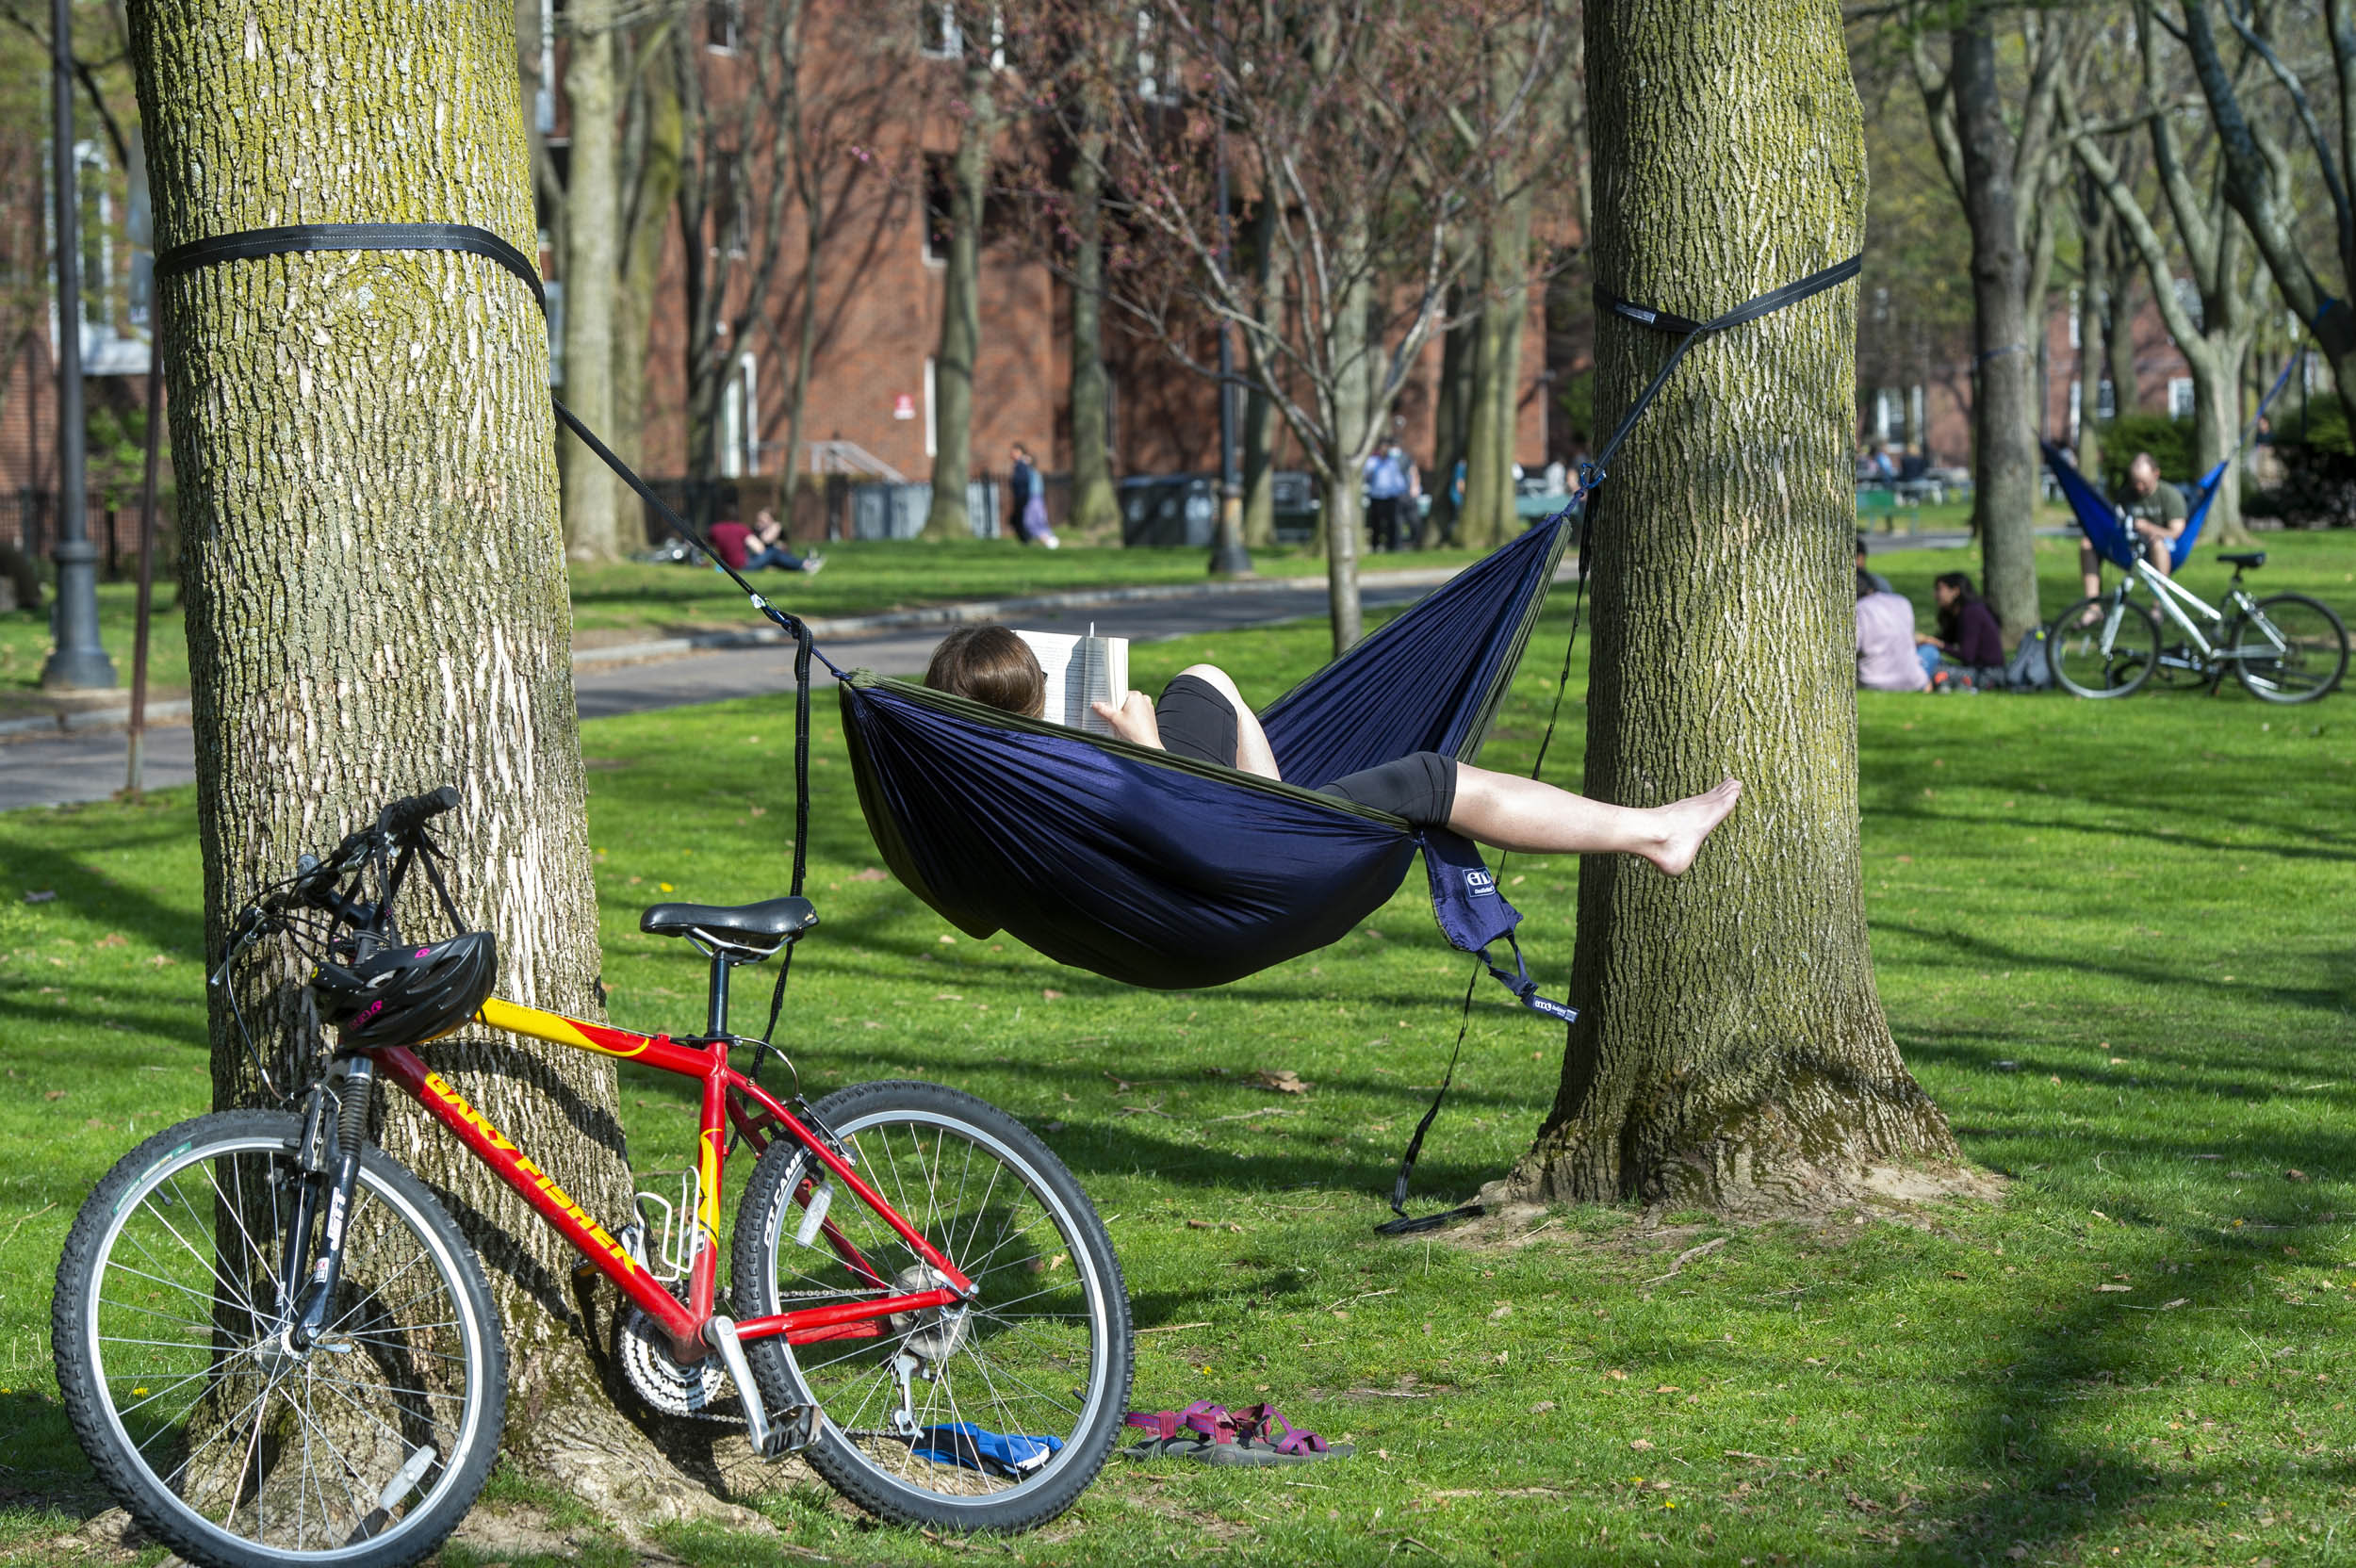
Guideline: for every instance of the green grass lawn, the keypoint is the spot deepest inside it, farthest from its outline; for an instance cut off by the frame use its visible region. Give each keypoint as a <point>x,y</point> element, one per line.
<point>629,602</point>
<point>2113,944</point>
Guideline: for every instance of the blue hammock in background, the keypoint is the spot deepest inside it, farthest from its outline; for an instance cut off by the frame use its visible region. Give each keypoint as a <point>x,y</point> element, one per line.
<point>1159,871</point>
<point>2104,521</point>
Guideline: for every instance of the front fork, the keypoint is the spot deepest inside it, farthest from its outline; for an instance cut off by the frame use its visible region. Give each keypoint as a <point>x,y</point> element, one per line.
<point>335,1171</point>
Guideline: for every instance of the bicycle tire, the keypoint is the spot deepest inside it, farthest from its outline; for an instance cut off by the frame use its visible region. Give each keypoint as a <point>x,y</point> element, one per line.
<point>2111,657</point>
<point>2313,643</point>
<point>364,1332</point>
<point>886,1124</point>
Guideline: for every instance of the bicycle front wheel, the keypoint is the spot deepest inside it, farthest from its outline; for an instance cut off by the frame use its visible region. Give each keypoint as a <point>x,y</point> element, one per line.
<point>2102,647</point>
<point>2288,649</point>
<point>991,1415</point>
<point>224,1434</point>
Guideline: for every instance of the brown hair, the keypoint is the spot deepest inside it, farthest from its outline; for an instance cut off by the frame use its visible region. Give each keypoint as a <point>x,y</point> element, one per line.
<point>992,666</point>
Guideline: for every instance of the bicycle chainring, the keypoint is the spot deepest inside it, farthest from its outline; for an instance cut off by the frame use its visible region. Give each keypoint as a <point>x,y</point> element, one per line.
<point>699,1392</point>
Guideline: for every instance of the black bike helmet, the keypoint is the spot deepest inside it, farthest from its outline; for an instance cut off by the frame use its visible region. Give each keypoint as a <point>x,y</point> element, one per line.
<point>403,995</point>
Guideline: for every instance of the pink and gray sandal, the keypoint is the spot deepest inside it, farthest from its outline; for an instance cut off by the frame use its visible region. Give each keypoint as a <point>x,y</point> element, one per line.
<point>1214,1435</point>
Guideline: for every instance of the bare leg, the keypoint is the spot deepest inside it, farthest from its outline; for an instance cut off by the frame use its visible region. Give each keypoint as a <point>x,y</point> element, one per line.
<point>2089,568</point>
<point>2162,553</point>
<point>1253,754</point>
<point>1510,812</point>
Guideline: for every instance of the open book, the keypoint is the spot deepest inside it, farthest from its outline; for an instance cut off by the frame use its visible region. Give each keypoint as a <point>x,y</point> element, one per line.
<point>1080,670</point>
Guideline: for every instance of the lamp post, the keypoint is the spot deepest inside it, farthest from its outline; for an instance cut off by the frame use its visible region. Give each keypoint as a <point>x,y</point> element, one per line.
<point>79,662</point>
<point>1229,558</point>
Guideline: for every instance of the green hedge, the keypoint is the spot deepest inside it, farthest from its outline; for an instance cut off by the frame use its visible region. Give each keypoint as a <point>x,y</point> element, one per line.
<point>2169,441</point>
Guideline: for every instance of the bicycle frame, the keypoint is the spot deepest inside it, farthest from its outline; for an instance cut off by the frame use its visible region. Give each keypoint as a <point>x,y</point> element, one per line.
<point>728,1097</point>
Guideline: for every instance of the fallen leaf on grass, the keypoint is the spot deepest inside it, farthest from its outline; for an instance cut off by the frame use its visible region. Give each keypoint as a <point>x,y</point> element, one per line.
<point>1616,1376</point>
<point>1283,1080</point>
<point>1542,1407</point>
<point>1051,996</point>
<point>1505,1309</point>
<point>2171,1306</point>
<point>1642,1445</point>
<point>112,939</point>
<point>1047,1265</point>
<point>2297,1175</point>
<point>1957,1274</point>
<point>870,874</point>
<point>39,896</point>
<point>2114,1287</point>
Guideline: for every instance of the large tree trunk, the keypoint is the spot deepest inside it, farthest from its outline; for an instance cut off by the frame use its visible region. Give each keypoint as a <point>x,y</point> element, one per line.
<point>376,589</point>
<point>2003,406</point>
<point>1351,423</point>
<point>1489,516</point>
<point>960,302</point>
<point>1452,415</point>
<point>2118,334</point>
<point>1094,505</point>
<point>2216,426</point>
<point>593,200</point>
<point>1731,1050</point>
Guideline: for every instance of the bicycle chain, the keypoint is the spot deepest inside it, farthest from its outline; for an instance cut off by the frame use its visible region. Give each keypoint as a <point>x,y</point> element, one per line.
<point>670,1387</point>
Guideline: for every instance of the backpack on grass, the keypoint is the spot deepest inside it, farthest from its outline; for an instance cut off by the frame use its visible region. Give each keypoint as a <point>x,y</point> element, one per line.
<point>2030,669</point>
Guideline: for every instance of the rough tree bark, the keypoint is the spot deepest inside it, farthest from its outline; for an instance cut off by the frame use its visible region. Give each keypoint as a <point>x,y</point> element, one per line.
<point>376,588</point>
<point>960,297</point>
<point>1732,1051</point>
<point>1452,410</point>
<point>592,201</point>
<point>1351,418</point>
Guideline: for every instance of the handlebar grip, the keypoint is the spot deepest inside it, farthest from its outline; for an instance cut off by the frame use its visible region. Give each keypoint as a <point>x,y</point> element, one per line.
<point>403,817</point>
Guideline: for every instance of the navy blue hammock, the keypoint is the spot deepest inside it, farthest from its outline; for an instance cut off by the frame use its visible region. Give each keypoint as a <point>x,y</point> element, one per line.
<point>1145,867</point>
<point>2105,522</point>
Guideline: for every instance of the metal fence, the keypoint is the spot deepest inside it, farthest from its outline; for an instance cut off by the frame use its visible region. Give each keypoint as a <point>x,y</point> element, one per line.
<point>840,506</point>
<point>28,522</point>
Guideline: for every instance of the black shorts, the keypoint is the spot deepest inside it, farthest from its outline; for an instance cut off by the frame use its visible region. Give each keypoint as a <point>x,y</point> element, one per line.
<point>1196,721</point>
<point>1420,785</point>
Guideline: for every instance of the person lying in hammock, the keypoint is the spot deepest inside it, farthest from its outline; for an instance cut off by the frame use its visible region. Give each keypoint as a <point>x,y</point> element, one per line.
<point>1201,715</point>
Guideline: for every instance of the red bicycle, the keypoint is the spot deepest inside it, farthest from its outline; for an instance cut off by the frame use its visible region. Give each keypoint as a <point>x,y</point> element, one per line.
<point>275,1346</point>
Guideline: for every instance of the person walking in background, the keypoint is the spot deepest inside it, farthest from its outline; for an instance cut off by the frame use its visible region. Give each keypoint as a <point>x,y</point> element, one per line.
<point>1028,492</point>
<point>1886,660</point>
<point>1387,481</point>
<point>1967,639</point>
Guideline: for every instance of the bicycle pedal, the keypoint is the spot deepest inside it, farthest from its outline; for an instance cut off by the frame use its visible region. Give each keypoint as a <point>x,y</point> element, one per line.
<point>796,1430</point>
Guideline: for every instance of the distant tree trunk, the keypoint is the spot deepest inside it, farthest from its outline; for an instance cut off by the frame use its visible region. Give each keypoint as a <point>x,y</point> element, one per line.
<point>1259,412</point>
<point>2119,333</point>
<point>658,132</point>
<point>811,187</point>
<point>2004,409</point>
<point>1495,414</point>
<point>960,301</point>
<point>1093,506</point>
<point>1731,1050</point>
<point>593,200</point>
<point>1451,416</point>
<point>376,591</point>
<point>2095,225</point>
<point>1352,423</point>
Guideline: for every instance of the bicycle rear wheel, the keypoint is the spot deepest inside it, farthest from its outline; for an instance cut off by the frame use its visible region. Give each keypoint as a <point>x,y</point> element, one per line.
<point>225,1441</point>
<point>2290,649</point>
<point>2102,647</point>
<point>994,1415</point>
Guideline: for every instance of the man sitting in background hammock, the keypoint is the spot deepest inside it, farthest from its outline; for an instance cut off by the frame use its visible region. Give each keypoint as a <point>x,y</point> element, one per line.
<point>2156,512</point>
<point>1201,715</point>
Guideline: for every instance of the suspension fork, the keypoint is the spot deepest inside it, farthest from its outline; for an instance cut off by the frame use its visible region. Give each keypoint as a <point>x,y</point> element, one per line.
<point>343,1171</point>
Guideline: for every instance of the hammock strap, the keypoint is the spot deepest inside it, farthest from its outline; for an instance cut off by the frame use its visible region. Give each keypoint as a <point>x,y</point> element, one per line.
<point>1591,474</point>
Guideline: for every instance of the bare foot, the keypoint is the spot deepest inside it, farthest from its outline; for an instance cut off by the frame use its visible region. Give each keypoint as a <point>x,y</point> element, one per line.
<point>1686,823</point>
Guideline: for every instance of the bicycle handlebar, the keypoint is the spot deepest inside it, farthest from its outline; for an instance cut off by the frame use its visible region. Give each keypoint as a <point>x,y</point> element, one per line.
<point>404,817</point>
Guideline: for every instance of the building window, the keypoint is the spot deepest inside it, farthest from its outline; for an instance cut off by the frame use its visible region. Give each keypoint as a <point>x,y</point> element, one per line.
<point>938,33</point>
<point>930,427</point>
<point>2179,399</point>
<point>2188,296</point>
<point>2106,401</point>
<point>748,400</point>
<point>2073,318</point>
<point>1157,73</point>
<point>728,224</point>
<point>544,92</point>
<point>553,292</point>
<point>724,26</point>
<point>937,172</point>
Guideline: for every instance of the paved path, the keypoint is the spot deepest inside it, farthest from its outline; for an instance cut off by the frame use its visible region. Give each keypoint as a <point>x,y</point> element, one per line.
<point>52,770</point>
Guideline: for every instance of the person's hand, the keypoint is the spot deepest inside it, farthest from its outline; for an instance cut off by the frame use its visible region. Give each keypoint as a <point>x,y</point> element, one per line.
<point>1132,720</point>
<point>1924,639</point>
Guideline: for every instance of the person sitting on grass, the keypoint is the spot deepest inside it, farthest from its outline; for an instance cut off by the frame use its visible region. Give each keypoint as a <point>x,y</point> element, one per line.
<point>1967,637</point>
<point>1886,660</point>
<point>759,547</point>
<point>1201,715</point>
